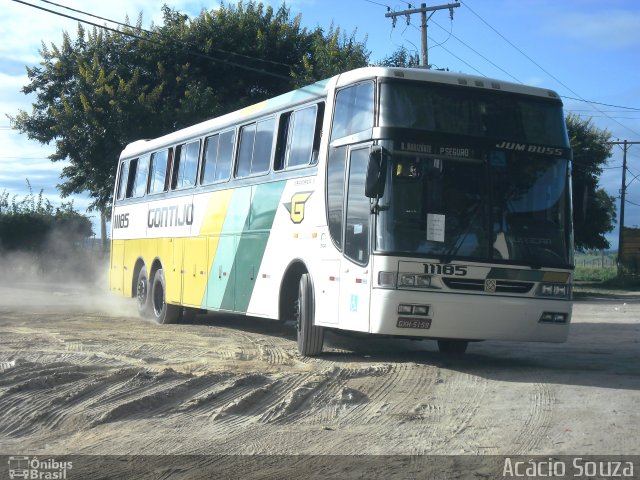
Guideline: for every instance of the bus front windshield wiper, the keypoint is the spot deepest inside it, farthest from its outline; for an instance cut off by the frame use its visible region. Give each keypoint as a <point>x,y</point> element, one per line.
<point>453,250</point>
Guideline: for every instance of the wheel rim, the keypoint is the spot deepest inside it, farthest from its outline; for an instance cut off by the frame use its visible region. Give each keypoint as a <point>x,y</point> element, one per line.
<point>141,291</point>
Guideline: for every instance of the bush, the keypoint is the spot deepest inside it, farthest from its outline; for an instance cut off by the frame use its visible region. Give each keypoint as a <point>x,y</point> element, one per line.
<point>49,239</point>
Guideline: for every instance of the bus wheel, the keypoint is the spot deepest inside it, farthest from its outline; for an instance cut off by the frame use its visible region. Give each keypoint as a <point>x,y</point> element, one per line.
<point>143,294</point>
<point>310,336</point>
<point>163,312</point>
<point>452,347</point>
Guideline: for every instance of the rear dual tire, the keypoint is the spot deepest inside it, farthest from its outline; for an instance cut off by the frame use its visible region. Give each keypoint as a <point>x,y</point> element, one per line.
<point>143,294</point>
<point>161,311</point>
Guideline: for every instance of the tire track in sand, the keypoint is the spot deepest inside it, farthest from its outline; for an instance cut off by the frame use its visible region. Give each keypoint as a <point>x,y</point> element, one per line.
<point>538,418</point>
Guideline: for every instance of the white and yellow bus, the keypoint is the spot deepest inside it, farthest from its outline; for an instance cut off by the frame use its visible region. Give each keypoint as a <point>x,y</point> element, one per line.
<point>399,202</point>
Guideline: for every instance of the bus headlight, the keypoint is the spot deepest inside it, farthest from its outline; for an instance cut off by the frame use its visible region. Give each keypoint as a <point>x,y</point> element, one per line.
<point>406,280</point>
<point>554,290</point>
<point>387,279</point>
<point>411,280</point>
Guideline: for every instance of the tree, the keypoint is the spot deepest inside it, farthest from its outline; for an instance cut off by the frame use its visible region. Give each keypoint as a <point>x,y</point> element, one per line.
<point>401,58</point>
<point>594,210</point>
<point>105,89</point>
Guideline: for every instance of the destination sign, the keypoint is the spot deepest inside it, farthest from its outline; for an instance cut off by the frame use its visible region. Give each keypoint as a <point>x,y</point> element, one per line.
<point>440,150</point>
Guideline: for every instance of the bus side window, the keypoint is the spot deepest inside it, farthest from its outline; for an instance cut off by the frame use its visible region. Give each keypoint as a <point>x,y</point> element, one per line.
<point>225,155</point>
<point>209,160</point>
<point>262,149</point>
<point>299,137</point>
<point>133,169</point>
<point>335,193</point>
<point>158,171</point>
<point>245,150</point>
<point>254,153</point>
<point>354,110</point>
<point>140,182</point>
<point>217,155</point>
<point>185,165</point>
<point>123,180</point>
<point>317,135</point>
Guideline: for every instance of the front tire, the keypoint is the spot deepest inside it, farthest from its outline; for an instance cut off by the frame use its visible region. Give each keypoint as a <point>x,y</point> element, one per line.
<point>310,336</point>
<point>163,312</point>
<point>143,294</point>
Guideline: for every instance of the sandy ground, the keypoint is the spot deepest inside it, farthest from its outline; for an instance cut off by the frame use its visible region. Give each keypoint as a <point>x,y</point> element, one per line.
<point>81,374</point>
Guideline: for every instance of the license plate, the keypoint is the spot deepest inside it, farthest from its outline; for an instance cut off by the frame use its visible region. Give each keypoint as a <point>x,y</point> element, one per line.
<point>406,322</point>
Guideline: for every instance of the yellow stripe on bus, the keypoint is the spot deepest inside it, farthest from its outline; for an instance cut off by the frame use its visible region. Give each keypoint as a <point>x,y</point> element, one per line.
<point>211,229</point>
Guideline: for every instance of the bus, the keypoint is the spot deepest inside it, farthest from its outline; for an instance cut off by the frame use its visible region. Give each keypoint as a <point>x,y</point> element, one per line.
<point>397,202</point>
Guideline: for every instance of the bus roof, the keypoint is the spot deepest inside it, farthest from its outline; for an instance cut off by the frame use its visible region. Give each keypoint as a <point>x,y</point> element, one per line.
<point>320,89</point>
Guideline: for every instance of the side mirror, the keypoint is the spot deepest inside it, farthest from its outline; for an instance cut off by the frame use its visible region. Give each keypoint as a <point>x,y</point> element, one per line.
<point>376,172</point>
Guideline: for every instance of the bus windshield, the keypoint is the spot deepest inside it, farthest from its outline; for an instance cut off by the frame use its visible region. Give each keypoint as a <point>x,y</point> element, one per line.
<point>472,112</point>
<point>509,207</point>
<point>505,198</point>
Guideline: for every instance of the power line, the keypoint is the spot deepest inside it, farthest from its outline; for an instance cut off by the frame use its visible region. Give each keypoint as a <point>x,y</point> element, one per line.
<point>584,115</point>
<point>478,53</point>
<point>380,4</point>
<point>580,98</point>
<point>600,103</point>
<point>157,42</point>
<point>153,33</point>
<point>455,56</point>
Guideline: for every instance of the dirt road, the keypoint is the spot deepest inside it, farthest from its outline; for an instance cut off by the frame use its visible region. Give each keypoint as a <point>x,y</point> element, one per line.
<point>80,373</point>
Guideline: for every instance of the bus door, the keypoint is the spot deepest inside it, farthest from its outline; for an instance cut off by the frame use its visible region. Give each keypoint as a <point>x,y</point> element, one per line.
<point>355,271</point>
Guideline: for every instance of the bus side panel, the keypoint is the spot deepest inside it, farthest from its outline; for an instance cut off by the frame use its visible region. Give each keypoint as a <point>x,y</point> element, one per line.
<point>172,264</point>
<point>220,290</point>
<point>195,268</point>
<point>252,246</point>
<point>116,275</point>
<point>295,211</point>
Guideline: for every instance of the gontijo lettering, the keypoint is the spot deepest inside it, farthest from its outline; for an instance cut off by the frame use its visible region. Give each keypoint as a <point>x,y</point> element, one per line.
<point>172,216</point>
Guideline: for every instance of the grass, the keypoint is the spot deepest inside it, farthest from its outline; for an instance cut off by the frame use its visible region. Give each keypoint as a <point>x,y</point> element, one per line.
<point>592,279</point>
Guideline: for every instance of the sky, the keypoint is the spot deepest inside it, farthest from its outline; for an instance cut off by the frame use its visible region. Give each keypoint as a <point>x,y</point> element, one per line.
<point>586,50</point>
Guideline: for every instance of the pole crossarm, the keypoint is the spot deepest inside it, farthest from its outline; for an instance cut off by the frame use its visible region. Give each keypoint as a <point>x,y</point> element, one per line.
<point>420,10</point>
<point>423,24</point>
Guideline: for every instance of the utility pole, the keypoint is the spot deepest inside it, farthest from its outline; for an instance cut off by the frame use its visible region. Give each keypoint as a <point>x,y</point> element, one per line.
<point>623,190</point>
<point>423,27</point>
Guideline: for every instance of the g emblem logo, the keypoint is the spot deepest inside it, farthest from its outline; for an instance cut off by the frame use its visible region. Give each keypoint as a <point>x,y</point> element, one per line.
<point>296,206</point>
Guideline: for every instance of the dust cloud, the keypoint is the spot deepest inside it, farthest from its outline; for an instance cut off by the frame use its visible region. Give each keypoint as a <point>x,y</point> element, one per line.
<point>60,274</point>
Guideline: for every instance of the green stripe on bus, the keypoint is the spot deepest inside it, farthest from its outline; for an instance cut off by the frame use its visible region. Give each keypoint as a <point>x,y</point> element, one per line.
<point>252,244</point>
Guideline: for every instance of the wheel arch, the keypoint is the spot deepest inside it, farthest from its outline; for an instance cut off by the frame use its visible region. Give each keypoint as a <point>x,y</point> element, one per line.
<point>155,266</point>
<point>288,293</point>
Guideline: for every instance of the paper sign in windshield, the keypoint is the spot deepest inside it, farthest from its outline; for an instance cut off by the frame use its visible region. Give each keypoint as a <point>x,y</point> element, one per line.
<point>435,227</point>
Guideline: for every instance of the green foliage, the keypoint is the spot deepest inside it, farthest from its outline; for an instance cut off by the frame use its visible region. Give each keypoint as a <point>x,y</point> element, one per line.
<point>595,275</point>
<point>400,58</point>
<point>103,90</point>
<point>594,210</point>
<point>33,224</point>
